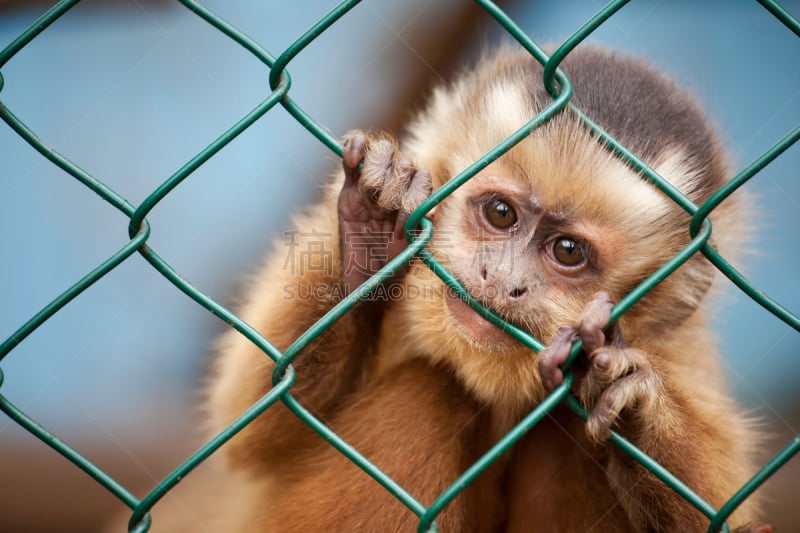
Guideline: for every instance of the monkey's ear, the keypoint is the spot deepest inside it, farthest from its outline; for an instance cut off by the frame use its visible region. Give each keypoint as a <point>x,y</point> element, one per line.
<point>677,298</point>
<point>696,276</point>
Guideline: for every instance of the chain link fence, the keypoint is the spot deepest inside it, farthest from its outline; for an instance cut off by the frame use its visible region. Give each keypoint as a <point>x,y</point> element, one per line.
<point>280,83</point>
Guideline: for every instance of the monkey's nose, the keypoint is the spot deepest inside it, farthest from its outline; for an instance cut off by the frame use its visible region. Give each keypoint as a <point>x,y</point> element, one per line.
<point>518,292</point>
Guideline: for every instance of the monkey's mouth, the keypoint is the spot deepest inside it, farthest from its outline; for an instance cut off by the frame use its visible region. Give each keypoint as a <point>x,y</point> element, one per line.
<point>477,329</point>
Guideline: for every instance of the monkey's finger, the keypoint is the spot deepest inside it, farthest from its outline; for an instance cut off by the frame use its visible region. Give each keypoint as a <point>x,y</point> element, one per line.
<point>554,355</point>
<point>637,388</point>
<point>609,364</point>
<point>377,166</point>
<point>595,317</point>
<point>396,181</point>
<point>418,191</point>
<point>354,147</point>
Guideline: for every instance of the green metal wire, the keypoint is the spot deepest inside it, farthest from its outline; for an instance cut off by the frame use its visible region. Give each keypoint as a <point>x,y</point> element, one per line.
<point>789,451</point>
<point>652,465</point>
<point>574,40</point>
<point>139,520</point>
<point>508,440</point>
<point>721,194</point>
<point>418,232</point>
<point>68,452</point>
<point>33,30</point>
<point>781,14</point>
<point>320,132</point>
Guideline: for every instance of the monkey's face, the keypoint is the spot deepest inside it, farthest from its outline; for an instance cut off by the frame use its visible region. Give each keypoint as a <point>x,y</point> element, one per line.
<point>530,262</point>
<point>536,234</point>
<point>533,237</point>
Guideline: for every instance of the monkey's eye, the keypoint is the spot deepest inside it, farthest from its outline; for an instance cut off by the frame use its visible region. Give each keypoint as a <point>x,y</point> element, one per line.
<point>500,214</point>
<point>568,252</point>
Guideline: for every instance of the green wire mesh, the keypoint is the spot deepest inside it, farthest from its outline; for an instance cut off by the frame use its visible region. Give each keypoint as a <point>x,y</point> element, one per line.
<point>418,231</point>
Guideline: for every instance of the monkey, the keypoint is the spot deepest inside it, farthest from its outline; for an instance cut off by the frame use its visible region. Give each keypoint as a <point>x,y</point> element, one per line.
<point>549,237</point>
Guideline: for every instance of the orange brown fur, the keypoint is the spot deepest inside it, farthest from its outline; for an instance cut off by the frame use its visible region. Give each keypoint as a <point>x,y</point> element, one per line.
<point>403,382</point>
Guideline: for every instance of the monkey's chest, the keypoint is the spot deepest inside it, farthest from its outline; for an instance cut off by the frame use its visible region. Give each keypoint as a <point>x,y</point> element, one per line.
<point>557,483</point>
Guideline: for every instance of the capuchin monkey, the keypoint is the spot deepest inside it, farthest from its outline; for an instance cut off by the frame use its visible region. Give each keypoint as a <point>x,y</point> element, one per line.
<point>549,237</point>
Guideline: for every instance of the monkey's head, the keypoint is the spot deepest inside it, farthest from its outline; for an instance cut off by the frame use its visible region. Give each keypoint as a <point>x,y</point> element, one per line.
<point>558,218</point>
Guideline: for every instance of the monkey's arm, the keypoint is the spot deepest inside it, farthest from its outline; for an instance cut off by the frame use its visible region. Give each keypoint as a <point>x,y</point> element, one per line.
<point>632,390</point>
<point>337,246</point>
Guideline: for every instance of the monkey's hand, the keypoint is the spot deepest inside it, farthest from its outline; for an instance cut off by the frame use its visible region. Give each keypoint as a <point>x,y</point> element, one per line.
<point>624,387</point>
<point>375,203</point>
<point>618,377</point>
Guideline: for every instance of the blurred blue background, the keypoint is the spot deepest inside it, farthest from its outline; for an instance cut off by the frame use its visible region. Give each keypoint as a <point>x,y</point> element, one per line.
<point>132,90</point>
